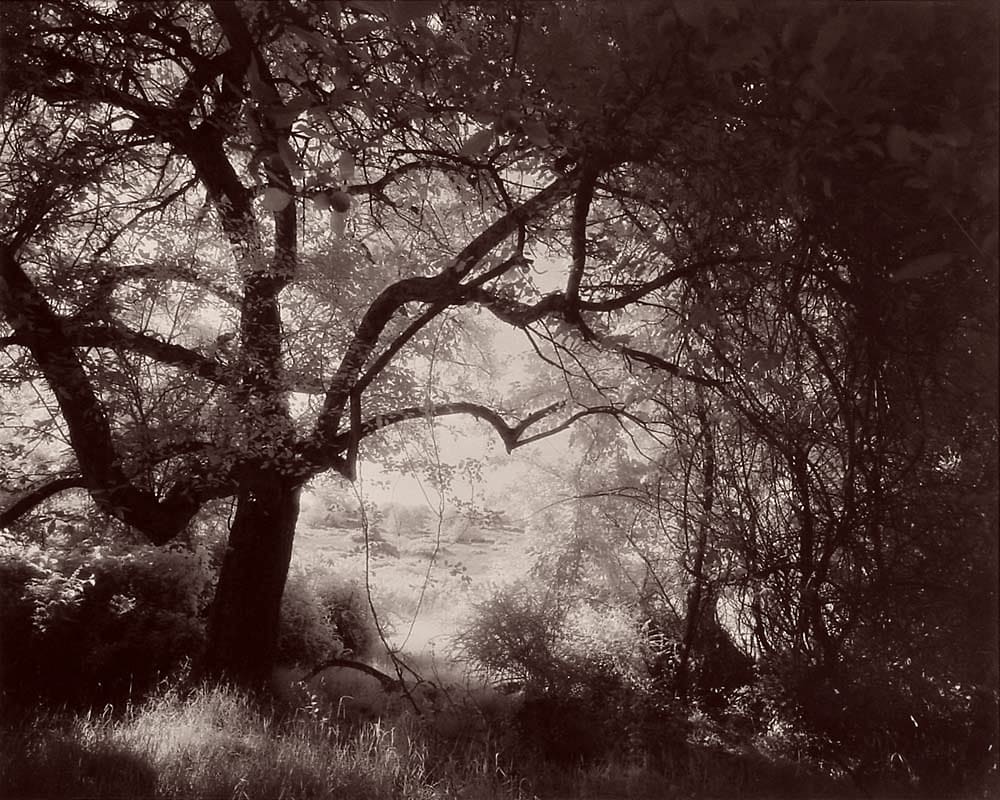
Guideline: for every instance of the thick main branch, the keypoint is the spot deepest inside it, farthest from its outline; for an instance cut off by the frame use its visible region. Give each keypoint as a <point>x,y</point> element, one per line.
<point>35,324</point>
<point>441,289</point>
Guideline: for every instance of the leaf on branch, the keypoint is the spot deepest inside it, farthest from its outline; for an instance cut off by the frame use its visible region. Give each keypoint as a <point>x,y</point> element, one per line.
<point>361,29</point>
<point>401,12</point>
<point>284,115</point>
<point>478,143</point>
<point>259,88</point>
<point>339,201</point>
<point>369,6</point>
<point>922,266</point>
<point>276,199</point>
<point>487,117</point>
<point>537,132</point>
<point>701,314</point>
<point>289,158</point>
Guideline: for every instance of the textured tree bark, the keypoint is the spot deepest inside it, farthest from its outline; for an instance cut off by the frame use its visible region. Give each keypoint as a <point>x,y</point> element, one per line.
<point>244,622</point>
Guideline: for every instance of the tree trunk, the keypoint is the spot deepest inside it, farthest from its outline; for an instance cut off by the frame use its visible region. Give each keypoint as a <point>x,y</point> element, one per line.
<point>244,622</point>
<point>698,614</point>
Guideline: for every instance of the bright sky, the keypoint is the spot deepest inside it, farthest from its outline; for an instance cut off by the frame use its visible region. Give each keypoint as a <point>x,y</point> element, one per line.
<point>460,439</point>
<point>502,474</point>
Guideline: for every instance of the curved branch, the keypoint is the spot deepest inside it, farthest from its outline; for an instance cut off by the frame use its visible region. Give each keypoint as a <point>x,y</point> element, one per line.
<point>445,287</point>
<point>174,272</point>
<point>658,362</point>
<point>389,684</point>
<point>388,302</point>
<point>377,187</point>
<point>411,330</point>
<point>44,335</point>
<point>118,336</point>
<point>556,305</point>
<point>521,314</point>
<point>31,498</point>
<point>565,424</point>
<point>122,338</point>
<point>510,435</point>
<point>551,195</point>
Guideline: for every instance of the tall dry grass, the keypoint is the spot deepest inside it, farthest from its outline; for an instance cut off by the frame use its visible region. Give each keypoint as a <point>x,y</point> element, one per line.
<point>217,743</point>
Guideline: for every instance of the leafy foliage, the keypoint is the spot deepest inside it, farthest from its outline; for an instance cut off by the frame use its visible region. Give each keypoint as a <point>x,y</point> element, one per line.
<point>324,616</point>
<point>99,624</point>
<point>90,624</point>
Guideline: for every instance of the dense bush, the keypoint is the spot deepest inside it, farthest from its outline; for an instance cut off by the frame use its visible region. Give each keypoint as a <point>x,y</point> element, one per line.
<point>324,616</point>
<point>306,635</point>
<point>345,602</point>
<point>92,624</point>
<point>587,690</point>
<point>596,684</point>
<point>892,721</point>
<point>98,623</point>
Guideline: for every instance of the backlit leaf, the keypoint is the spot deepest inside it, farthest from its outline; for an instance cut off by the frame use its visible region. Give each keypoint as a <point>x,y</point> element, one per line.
<point>276,199</point>
<point>536,132</point>
<point>478,143</point>
<point>289,158</point>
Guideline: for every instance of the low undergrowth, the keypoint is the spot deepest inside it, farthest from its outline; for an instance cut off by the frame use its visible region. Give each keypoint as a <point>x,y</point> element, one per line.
<point>590,713</point>
<point>215,742</point>
<point>218,743</point>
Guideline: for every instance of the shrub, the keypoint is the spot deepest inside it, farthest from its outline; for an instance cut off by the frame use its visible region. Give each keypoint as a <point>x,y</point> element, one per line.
<point>895,723</point>
<point>521,632</point>
<point>514,635</point>
<point>587,689</point>
<point>324,616</point>
<point>306,635</point>
<point>96,624</point>
<point>345,602</point>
